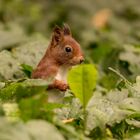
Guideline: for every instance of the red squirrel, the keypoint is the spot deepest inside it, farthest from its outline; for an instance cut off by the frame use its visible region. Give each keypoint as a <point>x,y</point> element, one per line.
<point>62,53</point>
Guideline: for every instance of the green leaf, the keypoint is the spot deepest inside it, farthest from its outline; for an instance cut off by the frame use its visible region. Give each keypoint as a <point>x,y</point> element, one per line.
<point>13,131</point>
<point>82,80</point>
<point>33,130</point>
<point>133,122</point>
<point>14,35</point>
<point>9,67</point>
<point>52,106</point>
<point>32,51</point>
<point>27,69</point>
<point>70,132</point>
<point>131,104</point>
<point>42,130</point>
<point>131,54</point>
<point>11,111</point>
<point>135,91</point>
<point>37,107</point>
<point>110,109</point>
<point>32,108</point>
<point>27,88</point>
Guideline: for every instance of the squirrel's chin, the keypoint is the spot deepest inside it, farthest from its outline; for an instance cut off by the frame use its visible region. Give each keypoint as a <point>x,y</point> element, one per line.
<point>72,63</point>
<point>75,63</point>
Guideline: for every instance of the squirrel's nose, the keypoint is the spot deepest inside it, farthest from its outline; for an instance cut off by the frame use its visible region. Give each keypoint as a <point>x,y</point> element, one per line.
<point>81,60</point>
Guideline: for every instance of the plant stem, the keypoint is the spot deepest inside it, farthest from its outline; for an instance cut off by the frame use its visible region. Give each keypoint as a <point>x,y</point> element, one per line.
<point>117,73</point>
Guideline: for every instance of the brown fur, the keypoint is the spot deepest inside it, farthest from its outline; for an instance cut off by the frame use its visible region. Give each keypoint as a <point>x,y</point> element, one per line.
<point>56,57</point>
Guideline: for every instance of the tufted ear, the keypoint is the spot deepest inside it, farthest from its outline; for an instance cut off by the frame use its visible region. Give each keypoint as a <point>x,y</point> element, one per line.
<point>66,29</point>
<point>57,36</point>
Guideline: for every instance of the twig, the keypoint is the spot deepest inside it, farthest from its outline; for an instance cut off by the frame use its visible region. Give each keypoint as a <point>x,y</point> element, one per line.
<point>68,120</point>
<point>120,75</point>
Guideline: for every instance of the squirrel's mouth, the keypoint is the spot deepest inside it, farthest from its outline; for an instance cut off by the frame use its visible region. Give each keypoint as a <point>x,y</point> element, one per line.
<point>74,62</point>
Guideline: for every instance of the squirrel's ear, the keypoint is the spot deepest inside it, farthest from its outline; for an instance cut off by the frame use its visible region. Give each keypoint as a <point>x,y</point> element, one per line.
<point>57,35</point>
<point>66,29</point>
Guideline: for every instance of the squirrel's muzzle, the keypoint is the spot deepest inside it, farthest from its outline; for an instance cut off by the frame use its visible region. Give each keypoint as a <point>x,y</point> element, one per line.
<point>81,60</point>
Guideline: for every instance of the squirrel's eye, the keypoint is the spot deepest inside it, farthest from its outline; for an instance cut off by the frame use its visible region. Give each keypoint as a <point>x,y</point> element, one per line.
<point>68,49</point>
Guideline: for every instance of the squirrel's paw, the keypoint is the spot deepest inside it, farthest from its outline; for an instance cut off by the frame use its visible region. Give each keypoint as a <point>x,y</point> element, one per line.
<point>63,87</point>
<point>59,85</point>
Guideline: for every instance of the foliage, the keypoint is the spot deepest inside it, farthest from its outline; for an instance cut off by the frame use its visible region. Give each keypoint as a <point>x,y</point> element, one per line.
<point>82,86</point>
<point>28,131</point>
<point>107,108</point>
<point>27,69</point>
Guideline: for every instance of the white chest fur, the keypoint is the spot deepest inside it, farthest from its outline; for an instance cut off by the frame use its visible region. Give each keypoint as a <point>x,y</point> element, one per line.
<point>62,74</point>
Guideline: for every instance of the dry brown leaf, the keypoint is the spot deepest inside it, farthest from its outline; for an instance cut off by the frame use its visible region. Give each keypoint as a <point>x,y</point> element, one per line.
<point>100,19</point>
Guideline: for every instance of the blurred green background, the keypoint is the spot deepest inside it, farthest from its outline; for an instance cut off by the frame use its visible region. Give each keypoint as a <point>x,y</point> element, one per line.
<point>108,31</point>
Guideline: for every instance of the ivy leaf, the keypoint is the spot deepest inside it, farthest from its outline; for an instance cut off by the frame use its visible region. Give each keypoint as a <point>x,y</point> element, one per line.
<point>82,80</point>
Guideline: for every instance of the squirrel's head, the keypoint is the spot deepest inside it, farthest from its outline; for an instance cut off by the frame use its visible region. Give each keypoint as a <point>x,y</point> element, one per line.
<point>64,48</point>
